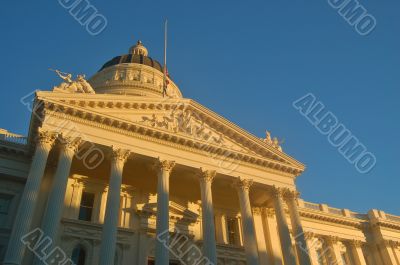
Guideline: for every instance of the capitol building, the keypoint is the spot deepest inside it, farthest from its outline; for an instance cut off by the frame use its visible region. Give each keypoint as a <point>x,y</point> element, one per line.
<point>122,169</point>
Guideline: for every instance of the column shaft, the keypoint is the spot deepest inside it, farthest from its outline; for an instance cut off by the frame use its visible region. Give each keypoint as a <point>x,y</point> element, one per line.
<point>284,234</point>
<point>388,254</point>
<point>301,244</point>
<point>209,244</point>
<point>162,234</point>
<point>23,219</point>
<point>396,250</point>
<point>260,235</point>
<point>311,242</point>
<point>357,253</point>
<point>272,236</point>
<point>334,251</point>
<point>55,202</point>
<point>110,226</point>
<point>249,235</point>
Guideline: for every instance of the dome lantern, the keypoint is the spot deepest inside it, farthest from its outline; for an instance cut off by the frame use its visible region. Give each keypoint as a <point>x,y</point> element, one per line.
<point>139,49</point>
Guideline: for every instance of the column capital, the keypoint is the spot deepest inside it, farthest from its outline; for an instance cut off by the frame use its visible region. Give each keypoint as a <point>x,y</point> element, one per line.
<point>69,143</point>
<point>257,210</point>
<point>242,184</point>
<point>291,194</point>
<point>332,239</point>
<point>46,138</point>
<point>309,235</point>
<point>391,243</point>
<point>207,175</point>
<point>119,155</point>
<point>356,243</point>
<point>269,212</point>
<point>164,165</point>
<point>278,192</point>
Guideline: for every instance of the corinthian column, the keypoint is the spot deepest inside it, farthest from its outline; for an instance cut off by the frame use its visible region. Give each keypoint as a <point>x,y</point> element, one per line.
<point>301,243</point>
<point>55,201</point>
<point>284,234</point>
<point>209,244</point>
<point>109,233</point>
<point>15,250</point>
<point>312,244</point>
<point>162,252</point>
<point>387,252</point>
<point>356,250</point>
<point>250,241</point>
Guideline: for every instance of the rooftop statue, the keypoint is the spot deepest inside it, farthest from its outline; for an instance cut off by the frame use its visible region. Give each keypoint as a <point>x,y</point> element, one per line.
<point>274,142</point>
<point>79,85</point>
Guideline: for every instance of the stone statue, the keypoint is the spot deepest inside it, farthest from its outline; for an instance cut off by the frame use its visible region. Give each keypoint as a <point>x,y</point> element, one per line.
<point>65,76</point>
<point>80,85</point>
<point>268,138</point>
<point>87,88</point>
<point>274,142</point>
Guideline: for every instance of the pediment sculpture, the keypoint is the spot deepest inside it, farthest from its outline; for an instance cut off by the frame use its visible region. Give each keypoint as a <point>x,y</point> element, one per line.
<point>79,85</point>
<point>183,121</point>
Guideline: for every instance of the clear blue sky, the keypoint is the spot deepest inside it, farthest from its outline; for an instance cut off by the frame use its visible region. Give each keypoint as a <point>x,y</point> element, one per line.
<point>248,61</point>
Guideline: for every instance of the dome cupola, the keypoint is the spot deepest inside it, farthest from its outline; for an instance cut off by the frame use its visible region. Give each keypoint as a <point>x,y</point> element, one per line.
<point>135,74</point>
<point>139,49</point>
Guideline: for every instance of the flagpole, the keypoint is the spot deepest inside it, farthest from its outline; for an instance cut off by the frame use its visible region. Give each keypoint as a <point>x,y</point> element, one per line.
<point>165,59</point>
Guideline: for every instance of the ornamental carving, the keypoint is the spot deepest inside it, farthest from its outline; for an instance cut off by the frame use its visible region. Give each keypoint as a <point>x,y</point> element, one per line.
<point>257,210</point>
<point>46,137</point>
<point>269,212</point>
<point>186,122</point>
<point>207,175</point>
<point>243,184</point>
<point>391,243</point>
<point>164,165</point>
<point>69,143</point>
<point>332,239</point>
<point>291,194</point>
<point>278,192</point>
<point>356,243</point>
<point>119,155</point>
<point>309,235</point>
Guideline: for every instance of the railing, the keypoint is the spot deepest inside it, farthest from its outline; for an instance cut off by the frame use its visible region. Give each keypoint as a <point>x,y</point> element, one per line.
<point>359,215</point>
<point>313,206</point>
<point>12,137</point>
<point>341,212</point>
<point>335,211</point>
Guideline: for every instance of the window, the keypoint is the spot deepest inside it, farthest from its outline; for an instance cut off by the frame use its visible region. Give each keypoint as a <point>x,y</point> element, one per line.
<point>78,256</point>
<point>233,231</point>
<point>5,202</point>
<point>86,207</point>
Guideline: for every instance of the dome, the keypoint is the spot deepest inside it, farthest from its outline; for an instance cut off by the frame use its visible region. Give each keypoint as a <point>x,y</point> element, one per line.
<point>135,74</point>
<point>133,58</point>
<point>137,54</point>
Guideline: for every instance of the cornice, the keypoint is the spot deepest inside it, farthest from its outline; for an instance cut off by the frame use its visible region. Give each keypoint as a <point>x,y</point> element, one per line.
<point>101,120</point>
<point>387,224</point>
<point>130,102</point>
<point>331,218</point>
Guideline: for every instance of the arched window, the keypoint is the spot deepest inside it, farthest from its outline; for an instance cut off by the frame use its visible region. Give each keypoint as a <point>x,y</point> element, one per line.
<point>78,255</point>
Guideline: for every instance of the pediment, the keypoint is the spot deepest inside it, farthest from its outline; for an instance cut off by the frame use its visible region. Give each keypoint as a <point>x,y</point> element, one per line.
<point>182,121</point>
